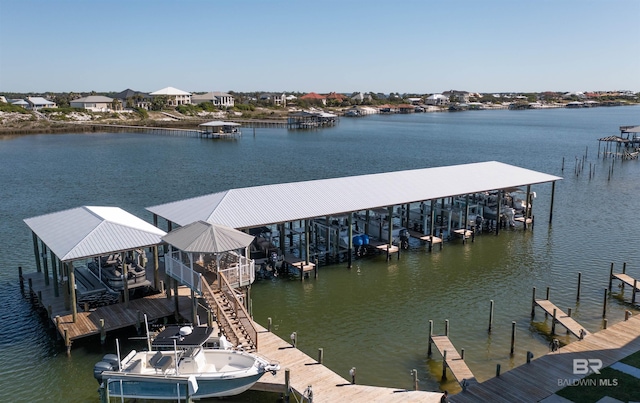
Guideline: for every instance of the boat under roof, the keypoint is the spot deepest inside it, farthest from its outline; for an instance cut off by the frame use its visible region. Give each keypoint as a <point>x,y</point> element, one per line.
<point>286,202</point>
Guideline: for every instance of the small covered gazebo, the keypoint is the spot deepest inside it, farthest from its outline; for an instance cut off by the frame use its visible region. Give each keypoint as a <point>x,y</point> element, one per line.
<point>209,249</point>
<point>81,233</point>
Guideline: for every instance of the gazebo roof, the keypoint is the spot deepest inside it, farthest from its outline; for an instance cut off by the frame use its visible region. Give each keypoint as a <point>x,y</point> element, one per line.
<point>204,237</point>
<point>89,231</point>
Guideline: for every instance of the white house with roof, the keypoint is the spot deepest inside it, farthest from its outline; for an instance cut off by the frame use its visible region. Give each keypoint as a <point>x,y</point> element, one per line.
<point>94,103</point>
<point>174,96</point>
<point>19,102</point>
<point>279,99</point>
<point>217,98</point>
<point>437,99</point>
<point>36,103</point>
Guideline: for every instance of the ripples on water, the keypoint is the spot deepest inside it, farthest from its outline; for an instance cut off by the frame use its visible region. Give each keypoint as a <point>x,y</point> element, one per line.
<point>374,316</point>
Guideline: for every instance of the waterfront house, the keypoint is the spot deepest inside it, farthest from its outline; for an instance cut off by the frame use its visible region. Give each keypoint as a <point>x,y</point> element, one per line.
<point>314,98</point>
<point>36,103</point>
<point>274,99</point>
<point>360,97</point>
<point>19,102</point>
<point>217,98</point>
<point>93,103</point>
<point>134,99</point>
<point>174,96</point>
<point>437,99</point>
<point>458,96</point>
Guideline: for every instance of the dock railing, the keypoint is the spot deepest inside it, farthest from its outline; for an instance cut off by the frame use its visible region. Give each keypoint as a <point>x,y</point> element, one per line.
<point>241,312</point>
<point>181,272</point>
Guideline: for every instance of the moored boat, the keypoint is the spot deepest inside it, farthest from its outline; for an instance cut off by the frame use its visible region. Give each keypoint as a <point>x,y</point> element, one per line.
<point>181,364</point>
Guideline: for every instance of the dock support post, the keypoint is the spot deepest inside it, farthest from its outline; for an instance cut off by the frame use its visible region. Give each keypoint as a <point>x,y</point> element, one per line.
<point>67,342</point>
<point>72,287</point>
<point>21,279</point>
<point>269,322</point>
<point>633,293</point>
<point>627,314</point>
<point>446,327</point>
<point>604,304</point>
<point>604,324</point>
<point>287,384</point>
<point>320,355</point>
<point>430,334</point>
<point>315,268</point>
<point>352,372</point>
<point>624,271</point>
<point>301,271</point>
<point>36,251</point>
<point>579,284</point>
<point>462,353</point>
<point>553,193</point>
<point>548,292</point>
<point>45,265</point>
<point>414,372</point>
<point>553,322</point>
<point>533,303</point>
<point>103,332</point>
<point>611,276</point>
<point>490,315</point>
<point>444,365</point>
<point>497,369</point>
<point>529,357</point>
<point>568,315</point>
<point>350,242</point>
<point>30,290</point>
<point>513,337</point>
<point>499,212</point>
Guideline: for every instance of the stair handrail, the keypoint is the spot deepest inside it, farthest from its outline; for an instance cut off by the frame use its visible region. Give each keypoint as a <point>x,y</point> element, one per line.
<point>241,312</point>
<point>221,316</point>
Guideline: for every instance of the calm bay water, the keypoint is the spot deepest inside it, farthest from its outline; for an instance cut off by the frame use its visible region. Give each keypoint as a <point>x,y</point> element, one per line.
<point>374,316</point>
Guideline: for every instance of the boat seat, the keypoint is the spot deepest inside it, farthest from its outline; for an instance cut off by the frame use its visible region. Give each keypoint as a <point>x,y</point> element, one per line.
<point>154,360</point>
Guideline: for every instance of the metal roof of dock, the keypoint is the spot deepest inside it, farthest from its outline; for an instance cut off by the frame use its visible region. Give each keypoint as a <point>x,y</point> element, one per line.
<point>93,231</point>
<point>270,204</point>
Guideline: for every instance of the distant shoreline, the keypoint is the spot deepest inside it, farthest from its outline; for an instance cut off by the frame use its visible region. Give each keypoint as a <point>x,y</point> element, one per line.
<point>41,126</point>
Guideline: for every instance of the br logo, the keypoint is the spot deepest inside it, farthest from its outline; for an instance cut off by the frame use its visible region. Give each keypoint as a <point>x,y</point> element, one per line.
<point>582,366</point>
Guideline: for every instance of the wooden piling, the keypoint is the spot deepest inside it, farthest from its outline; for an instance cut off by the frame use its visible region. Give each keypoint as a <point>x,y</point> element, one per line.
<point>287,384</point>
<point>320,355</point>
<point>414,372</point>
<point>490,315</point>
<point>611,276</point>
<point>627,314</point>
<point>529,357</point>
<point>633,293</point>
<point>103,332</point>
<point>513,337</point>
<point>21,279</point>
<point>269,322</point>
<point>604,304</point>
<point>352,372</point>
<point>533,303</point>
<point>430,334</point>
<point>579,284</point>
<point>604,323</point>
<point>446,327</point>
<point>553,321</point>
<point>444,365</point>
<point>67,342</point>
<point>497,370</point>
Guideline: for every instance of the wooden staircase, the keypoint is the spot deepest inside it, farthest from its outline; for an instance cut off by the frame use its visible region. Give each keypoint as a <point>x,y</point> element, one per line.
<point>231,315</point>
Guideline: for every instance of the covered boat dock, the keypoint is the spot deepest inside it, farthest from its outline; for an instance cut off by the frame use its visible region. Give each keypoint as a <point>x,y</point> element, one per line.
<point>326,215</point>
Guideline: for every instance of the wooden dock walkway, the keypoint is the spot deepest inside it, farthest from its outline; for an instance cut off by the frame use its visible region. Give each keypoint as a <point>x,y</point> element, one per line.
<point>453,360</point>
<point>559,316</point>
<point>625,279</point>
<point>116,316</point>
<point>327,386</point>
<point>546,375</point>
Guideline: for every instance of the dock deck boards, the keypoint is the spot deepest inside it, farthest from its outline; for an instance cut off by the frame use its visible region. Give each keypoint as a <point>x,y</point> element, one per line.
<point>454,361</point>
<point>627,279</point>
<point>296,262</point>
<point>540,379</point>
<point>327,386</point>
<point>565,320</point>
<point>115,316</point>
<point>422,237</point>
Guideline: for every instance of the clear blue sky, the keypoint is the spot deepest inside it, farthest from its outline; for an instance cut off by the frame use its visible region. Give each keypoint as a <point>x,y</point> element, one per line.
<point>414,46</point>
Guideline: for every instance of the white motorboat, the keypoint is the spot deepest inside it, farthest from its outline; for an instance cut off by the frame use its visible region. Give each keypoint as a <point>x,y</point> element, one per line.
<point>180,364</point>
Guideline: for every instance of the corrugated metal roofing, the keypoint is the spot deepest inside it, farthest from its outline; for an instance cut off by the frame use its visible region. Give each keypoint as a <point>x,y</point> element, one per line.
<point>204,237</point>
<point>270,204</point>
<point>216,123</point>
<point>92,231</point>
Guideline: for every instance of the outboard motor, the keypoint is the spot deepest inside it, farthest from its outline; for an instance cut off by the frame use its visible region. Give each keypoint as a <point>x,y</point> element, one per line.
<point>109,363</point>
<point>404,239</point>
